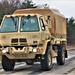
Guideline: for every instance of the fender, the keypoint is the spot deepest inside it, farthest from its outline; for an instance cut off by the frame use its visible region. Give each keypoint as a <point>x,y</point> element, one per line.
<point>45,46</point>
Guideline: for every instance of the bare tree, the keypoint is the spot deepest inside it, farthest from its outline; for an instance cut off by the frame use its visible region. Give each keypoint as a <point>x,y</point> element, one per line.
<point>9,6</point>
<point>44,6</point>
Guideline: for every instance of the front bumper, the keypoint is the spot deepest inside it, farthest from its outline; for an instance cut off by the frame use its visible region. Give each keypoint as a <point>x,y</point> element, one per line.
<point>24,53</point>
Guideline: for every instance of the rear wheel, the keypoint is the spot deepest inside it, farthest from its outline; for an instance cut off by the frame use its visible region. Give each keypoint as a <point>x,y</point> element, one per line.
<point>61,55</point>
<point>7,64</point>
<point>46,63</point>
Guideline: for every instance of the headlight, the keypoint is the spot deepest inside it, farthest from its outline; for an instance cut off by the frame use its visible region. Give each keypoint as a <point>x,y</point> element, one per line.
<point>3,51</point>
<point>34,50</point>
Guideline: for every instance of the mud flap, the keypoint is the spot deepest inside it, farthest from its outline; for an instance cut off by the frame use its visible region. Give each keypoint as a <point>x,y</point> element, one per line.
<point>66,54</point>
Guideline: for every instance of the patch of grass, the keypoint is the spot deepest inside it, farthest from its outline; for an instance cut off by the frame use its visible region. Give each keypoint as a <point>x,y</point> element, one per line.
<point>70,47</point>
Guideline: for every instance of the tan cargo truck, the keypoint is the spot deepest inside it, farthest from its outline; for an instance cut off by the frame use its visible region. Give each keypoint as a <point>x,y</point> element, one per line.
<point>33,35</point>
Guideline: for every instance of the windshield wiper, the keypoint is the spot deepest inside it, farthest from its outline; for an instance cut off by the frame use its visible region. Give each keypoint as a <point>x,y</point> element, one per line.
<point>13,21</point>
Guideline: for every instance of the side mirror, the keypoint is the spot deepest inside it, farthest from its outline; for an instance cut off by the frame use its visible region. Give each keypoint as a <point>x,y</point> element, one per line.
<point>48,18</point>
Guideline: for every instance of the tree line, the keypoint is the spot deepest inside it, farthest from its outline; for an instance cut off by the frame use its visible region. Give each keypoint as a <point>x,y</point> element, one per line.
<point>71,31</point>
<point>9,6</point>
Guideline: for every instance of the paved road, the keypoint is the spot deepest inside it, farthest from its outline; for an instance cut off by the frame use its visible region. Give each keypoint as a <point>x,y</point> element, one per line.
<point>23,69</point>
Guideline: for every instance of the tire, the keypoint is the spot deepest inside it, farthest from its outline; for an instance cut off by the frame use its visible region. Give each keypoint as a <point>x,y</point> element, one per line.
<point>46,63</point>
<point>61,56</point>
<point>30,62</point>
<point>7,64</point>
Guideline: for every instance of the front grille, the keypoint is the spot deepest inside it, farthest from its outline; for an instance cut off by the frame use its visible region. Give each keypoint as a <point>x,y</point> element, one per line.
<point>14,41</point>
<point>23,40</point>
<point>18,41</point>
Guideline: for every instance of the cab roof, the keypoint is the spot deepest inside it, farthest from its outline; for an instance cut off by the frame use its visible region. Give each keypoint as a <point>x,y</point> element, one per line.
<point>45,12</point>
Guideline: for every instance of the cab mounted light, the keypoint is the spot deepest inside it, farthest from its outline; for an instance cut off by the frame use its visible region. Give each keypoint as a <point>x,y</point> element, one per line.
<point>28,16</point>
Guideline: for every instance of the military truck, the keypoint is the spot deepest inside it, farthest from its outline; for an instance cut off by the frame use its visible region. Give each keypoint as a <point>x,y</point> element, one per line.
<point>33,35</point>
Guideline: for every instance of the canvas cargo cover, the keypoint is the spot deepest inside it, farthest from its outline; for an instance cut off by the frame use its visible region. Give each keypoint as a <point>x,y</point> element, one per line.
<point>58,21</point>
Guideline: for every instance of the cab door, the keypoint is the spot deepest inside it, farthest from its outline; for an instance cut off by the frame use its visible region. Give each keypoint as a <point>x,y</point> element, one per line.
<point>44,29</point>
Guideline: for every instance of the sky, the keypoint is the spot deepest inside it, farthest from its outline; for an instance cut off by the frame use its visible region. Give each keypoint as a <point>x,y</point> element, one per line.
<point>66,7</point>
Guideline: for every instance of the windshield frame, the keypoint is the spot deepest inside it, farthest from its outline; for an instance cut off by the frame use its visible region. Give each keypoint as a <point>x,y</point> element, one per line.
<point>32,30</point>
<point>14,24</point>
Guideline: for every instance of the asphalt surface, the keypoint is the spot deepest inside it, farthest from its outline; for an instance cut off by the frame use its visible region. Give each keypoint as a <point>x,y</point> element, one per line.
<point>22,69</point>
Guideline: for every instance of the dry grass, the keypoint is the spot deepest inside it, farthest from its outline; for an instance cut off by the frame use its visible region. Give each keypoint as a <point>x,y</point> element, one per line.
<point>70,47</point>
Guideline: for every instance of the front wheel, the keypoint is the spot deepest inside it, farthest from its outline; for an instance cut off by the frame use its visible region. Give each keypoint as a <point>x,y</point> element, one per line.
<point>61,55</point>
<point>7,64</point>
<point>46,63</point>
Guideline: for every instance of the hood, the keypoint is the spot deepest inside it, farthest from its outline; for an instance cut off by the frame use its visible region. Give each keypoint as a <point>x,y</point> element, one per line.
<point>13,39</point>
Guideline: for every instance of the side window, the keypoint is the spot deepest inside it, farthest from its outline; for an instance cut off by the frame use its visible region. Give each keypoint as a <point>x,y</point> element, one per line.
<point>42,24</point>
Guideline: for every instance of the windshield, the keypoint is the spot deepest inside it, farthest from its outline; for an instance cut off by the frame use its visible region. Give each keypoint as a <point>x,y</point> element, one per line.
<point>10,25</point>
<point>29,24</point>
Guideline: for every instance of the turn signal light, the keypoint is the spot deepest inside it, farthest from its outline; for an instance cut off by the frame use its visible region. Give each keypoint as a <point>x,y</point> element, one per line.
<point>39,49</point>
